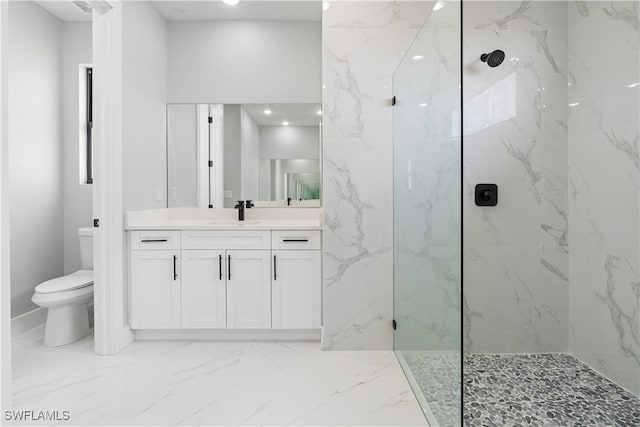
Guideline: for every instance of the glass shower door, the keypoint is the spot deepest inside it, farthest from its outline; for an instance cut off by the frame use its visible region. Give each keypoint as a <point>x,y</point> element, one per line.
<point>427,215</point>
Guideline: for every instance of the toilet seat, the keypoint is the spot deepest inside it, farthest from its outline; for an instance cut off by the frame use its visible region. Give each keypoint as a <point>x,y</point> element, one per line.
<point>79,279</point>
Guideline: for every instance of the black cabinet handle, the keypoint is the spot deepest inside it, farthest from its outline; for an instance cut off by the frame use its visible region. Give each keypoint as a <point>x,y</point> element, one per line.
<point>152,240</point>
<point>295,240</point>
<point>220,265</point>
<point>275,269</point>
<point>229,267</point>
<point>175,271</point>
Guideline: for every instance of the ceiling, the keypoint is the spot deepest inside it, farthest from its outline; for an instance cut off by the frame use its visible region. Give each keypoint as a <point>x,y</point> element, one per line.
<point>295,114</point>
<point>265,10</point>
<point>207,10</point>
<point>65,11</point>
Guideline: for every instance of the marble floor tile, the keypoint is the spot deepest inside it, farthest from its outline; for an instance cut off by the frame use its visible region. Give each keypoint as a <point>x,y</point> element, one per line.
<point>212,383</point>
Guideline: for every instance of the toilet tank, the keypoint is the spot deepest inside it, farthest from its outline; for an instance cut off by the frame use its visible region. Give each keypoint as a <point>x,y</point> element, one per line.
<point>85,235</point>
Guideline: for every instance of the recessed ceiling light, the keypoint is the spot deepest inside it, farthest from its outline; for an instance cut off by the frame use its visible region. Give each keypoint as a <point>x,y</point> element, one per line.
<point>83,6</point>
<point>423,104</point>
<point>632,85</point>
<point>231,2</point>
<point>439,5</point>
<point>417,57</point>
<point>574,104</point>
<point>319,112</point>
<point>285,123</point>
<point>325,5</point>
<point>267,111</point>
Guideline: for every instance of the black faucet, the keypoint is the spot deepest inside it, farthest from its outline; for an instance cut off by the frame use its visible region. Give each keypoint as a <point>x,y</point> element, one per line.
<point>241,206</point>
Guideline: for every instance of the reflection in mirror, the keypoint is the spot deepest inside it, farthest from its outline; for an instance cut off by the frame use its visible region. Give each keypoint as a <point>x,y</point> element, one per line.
<point>220,153</point>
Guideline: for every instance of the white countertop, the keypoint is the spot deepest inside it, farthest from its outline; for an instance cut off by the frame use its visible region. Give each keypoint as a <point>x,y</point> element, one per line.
<point>176,224</point>
<point>224,219</point>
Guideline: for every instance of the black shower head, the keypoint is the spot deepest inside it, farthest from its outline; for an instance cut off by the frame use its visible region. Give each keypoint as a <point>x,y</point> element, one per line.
<point>494,58</point>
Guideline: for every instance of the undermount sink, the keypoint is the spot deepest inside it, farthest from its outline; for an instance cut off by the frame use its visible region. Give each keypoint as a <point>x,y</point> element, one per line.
<point>233,222</point>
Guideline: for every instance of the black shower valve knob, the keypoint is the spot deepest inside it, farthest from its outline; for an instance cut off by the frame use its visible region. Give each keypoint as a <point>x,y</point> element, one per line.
<point>486,194</point>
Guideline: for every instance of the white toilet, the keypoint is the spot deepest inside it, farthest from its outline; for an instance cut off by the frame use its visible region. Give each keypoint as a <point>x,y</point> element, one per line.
<point>68,298</point>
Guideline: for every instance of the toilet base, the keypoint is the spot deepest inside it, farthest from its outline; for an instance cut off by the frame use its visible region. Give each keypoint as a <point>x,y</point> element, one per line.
<point>66,324</point>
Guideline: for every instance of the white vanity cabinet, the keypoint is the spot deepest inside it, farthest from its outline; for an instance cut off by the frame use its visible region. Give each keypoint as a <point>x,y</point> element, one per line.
<point>226,289</point>
<point>204,288</point>
<point>225,279</point>
<point>155,272</point>
<point>245,275</point>
<point>248,290</point>
<point>296,280</point>
<point>296,289</point>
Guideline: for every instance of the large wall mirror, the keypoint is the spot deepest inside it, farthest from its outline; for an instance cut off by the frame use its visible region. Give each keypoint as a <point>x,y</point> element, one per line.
<point>220,153</point>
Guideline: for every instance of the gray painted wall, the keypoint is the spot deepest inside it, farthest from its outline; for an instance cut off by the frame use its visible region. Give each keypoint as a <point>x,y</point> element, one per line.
<point>236,62</point>
<point>35,150</point>
<point>289,142</point>
<point>144,74</point>
<point>78,203</point>
<point>244,62</point>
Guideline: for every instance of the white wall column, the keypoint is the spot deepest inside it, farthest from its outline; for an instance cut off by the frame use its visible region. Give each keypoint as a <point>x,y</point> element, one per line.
<point>111,330</point>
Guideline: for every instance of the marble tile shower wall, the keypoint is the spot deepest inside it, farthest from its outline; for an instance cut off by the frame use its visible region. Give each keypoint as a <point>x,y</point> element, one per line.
<point>604,209</point>
<point>363,43</point>
<point>516,271</point>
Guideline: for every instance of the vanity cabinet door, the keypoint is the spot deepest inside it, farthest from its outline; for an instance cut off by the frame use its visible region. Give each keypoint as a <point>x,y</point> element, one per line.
<point>204,289</point>
<point>248,289</point>
<point>155,289</point>
<point>296,289</point>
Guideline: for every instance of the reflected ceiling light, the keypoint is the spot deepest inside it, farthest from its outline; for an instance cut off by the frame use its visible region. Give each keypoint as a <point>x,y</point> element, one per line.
<point>422,104</point>
<point>574,104</point>
<point>325,5</point>
<point>633,85</point>
<point>267,111</point>
<point>319,112</point>
<point>285,123</point>
<point>439,5</point>
<point>231,2</point>
<point>417,57</point>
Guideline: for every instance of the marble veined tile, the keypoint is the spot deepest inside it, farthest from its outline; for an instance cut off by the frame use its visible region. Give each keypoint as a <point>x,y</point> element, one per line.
<point>603,141</point>
<point>212,383</point>
<point>363,42</point>
<point>516,259</point>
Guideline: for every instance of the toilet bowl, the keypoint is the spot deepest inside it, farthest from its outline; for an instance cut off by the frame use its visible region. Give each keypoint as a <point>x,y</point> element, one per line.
<point>67,298</point>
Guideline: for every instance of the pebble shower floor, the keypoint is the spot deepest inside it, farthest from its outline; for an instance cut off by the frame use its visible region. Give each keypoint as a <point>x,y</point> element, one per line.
<point>523,390</point>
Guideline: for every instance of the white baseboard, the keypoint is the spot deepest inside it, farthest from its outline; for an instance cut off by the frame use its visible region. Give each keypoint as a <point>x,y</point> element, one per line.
<point>229,334</point>
<point>29,320</point>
